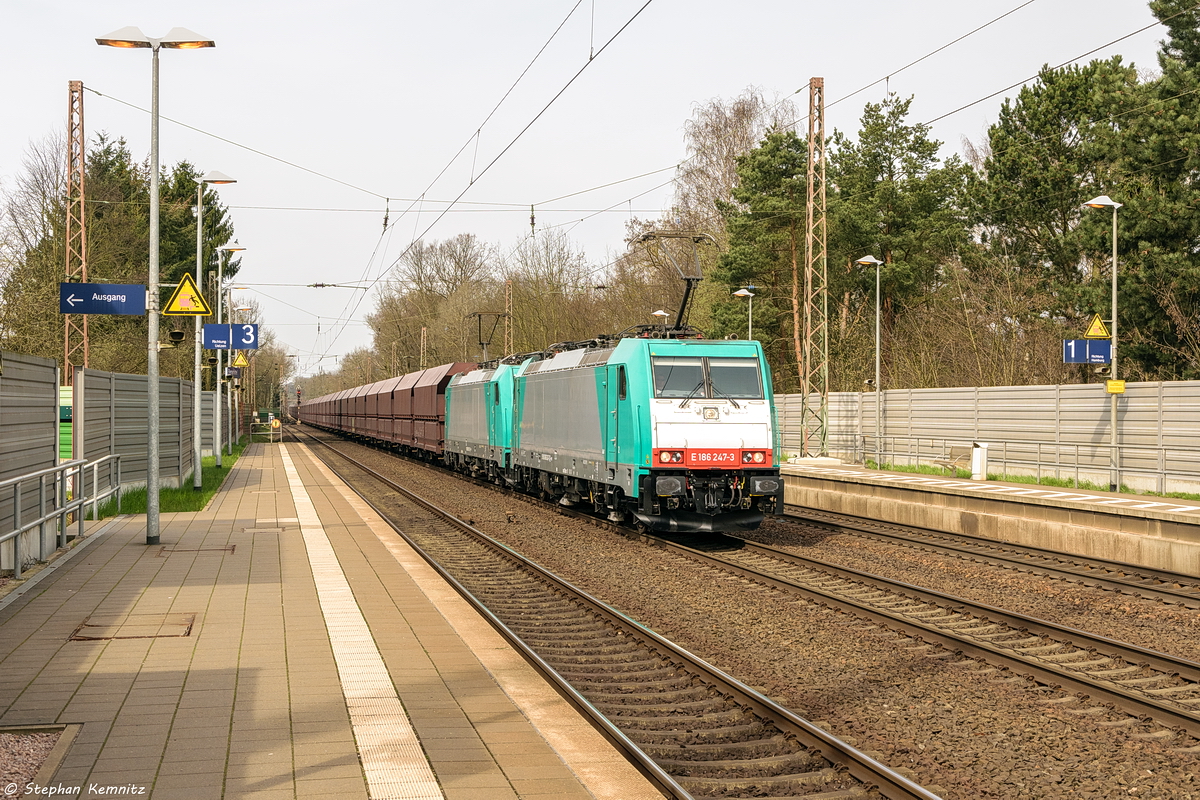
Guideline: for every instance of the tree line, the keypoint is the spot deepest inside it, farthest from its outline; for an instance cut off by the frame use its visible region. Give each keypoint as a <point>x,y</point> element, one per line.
<point>117,187</point>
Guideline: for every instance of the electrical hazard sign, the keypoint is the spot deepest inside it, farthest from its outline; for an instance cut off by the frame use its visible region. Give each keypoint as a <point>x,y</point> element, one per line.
<point>1096,330</point>
<point>186,301</point>
<point>240,360</point>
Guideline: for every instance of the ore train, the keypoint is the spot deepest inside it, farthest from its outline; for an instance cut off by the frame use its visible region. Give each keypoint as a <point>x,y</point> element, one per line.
<point>661,432</point>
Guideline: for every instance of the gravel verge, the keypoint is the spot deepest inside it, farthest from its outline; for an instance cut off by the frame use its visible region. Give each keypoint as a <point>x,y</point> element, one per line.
<point>21,756</point>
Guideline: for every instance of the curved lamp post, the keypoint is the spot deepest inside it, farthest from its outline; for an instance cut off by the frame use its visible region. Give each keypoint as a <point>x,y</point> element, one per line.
<point>749,295</point>
<point>176,39</point>
<point>227,249</point>
<point>872,261</point>
<point>1104,201</point>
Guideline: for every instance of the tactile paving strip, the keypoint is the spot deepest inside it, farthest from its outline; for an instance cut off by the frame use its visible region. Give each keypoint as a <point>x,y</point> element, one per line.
<point>393,761</point>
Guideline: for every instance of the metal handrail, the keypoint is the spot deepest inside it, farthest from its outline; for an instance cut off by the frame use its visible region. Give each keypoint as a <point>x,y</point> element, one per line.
<point>259,428</point>
<point>114,487</point>
<point>62,475</point>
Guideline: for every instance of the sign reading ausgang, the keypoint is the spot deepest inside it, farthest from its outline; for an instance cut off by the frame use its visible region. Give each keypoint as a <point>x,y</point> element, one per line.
<point>102,298</point>
<point>223,336</point>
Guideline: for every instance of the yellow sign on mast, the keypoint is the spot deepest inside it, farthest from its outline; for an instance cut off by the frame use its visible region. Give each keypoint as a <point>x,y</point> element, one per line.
<point>1097,330</point>
<point>186,301</point>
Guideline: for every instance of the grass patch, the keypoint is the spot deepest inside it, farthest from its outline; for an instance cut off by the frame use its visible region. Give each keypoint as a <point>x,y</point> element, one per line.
<point>1047,480</point>
<point>171,500</point>
<point>921,469</point>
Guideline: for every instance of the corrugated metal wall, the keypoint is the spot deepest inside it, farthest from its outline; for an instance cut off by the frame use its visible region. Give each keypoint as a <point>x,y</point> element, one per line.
<point>110,417</point>
<point>1065,425</point>
<point>28,428</point>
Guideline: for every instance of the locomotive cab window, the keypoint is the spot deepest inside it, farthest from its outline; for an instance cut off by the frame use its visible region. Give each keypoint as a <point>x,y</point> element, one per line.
<point>709,378</point>
<point>735,377</point>
<point>678,377</point>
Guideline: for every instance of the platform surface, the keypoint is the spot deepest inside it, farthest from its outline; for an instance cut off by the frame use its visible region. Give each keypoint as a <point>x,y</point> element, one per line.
<point>283,643</point>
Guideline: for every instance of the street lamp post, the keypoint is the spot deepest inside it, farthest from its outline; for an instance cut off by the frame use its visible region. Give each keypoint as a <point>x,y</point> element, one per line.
<point>872,261</point>
<point>749,295</point>
<point>1114,479</point>
<point>176,39</point>
<point>217,446</point>
<point>215,178</point>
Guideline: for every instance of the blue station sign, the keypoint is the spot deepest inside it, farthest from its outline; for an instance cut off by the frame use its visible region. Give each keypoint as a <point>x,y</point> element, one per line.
<point>223,336</point>
<point>102,298</point>
<point>1087,351</point>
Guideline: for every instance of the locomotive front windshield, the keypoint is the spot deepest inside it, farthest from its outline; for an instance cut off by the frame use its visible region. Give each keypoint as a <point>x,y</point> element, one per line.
<point>710,378</point>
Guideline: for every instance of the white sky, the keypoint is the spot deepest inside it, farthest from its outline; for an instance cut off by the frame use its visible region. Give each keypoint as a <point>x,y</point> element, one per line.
<point>381,95</point>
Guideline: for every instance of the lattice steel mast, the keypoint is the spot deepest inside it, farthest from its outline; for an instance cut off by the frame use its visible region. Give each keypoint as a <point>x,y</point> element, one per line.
<point>75,333</point>
<point>814,369</point>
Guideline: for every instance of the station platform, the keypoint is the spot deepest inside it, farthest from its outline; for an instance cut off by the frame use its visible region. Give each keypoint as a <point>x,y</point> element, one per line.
<point>1158,532</point>
<point>282,643</point>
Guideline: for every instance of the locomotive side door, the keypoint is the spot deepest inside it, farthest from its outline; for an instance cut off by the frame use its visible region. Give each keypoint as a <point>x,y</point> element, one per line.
<point>618,424</point>
<point>611,422</point>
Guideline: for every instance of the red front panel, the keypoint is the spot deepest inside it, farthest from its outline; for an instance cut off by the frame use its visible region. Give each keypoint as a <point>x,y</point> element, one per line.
<point>711,458</point>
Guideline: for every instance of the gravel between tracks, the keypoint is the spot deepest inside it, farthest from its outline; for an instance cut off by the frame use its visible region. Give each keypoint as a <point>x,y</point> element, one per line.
<point>935,717</point>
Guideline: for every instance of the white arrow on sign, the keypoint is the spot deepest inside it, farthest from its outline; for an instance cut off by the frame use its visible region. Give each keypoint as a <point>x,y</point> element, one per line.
<point>72,299</point>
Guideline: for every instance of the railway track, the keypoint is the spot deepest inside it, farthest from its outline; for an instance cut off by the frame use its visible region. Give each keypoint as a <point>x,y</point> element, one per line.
<point>690,728</point>
<point>1140,682</point>
<point>1159,585</point>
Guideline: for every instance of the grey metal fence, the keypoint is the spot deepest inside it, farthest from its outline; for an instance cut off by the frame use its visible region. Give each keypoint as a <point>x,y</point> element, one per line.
<point>110,418</point>
<point>28,428</point>
<point>1032,430</point>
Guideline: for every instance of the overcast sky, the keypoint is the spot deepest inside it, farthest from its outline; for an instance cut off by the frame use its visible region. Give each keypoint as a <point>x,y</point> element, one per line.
<point>369,101</point>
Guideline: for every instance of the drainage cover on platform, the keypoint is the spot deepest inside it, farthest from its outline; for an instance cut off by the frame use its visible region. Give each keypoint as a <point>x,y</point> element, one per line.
<point>166,551</point>
<point>134,626</point>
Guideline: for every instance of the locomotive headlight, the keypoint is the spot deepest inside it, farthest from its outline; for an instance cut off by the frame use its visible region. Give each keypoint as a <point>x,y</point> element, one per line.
<point>711,413</point>
<point>670,456</point>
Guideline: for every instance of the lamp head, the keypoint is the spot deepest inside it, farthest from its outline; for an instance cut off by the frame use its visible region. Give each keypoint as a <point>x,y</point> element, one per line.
<point>183,39</point>
<point>869,261</point>
<point>219,178</point>
<point>743,293</point>
<point>128,36</point>
<point>233,248</point>
<point>176,39</point>
<point>1103,201</point>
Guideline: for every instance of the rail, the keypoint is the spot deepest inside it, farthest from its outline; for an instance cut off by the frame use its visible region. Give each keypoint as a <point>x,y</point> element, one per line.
<point>1156,468</point>
<point>54,503</point>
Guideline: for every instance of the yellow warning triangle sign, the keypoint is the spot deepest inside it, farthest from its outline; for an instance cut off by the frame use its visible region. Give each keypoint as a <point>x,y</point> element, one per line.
<point>187,301</point>
<point>1097,330</point>
<point>240,359</point>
